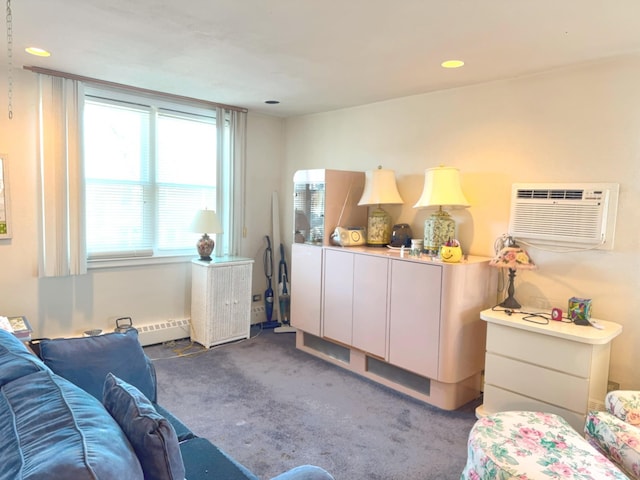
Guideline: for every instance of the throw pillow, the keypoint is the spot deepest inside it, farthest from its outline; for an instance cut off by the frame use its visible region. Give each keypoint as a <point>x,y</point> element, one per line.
<point>86,361</point>
<point>151,435</point>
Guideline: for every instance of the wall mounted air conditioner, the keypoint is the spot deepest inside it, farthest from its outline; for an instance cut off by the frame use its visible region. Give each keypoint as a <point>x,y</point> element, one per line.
<point>564,214</point>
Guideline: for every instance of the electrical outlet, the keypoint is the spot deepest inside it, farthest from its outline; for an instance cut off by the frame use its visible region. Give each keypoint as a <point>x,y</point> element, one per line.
<point>258,314</point>
<point>611,386</point>
<point>256,297</point>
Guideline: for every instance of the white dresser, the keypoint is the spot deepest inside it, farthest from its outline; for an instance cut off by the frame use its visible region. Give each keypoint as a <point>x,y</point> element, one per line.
<point>557,367</point>
<point>221,300</point>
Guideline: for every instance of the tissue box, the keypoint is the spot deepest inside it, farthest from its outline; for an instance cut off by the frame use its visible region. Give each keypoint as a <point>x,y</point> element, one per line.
<point>580,310</point>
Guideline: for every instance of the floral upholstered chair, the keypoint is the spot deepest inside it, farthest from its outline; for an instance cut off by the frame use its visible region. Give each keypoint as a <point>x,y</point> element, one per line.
<point>523,445</point>
<point>616,431</point>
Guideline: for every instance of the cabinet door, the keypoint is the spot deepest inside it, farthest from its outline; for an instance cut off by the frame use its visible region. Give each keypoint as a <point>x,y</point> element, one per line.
<point>220,293</point>
<point>338,296</point>
<point>240,321</point>
<point>199,304</point>
<point>230,302</point>
<point>414,320</point>
<point>306,287</point>
<point>370,304</point>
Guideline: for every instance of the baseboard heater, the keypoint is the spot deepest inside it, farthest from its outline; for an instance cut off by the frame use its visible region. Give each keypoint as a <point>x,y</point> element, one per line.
<point>161,332</point>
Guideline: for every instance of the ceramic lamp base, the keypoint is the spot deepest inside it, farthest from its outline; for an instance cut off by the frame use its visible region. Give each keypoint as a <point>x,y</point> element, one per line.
<point>205,247</point>
<point>438,229</point>
<point>378,228</point>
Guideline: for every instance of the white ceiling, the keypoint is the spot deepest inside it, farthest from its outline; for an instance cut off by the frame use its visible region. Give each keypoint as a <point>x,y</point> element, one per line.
<point>317,55</point>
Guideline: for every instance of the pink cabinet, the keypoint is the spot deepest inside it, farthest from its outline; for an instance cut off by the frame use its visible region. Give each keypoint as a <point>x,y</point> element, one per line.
<point>414,333</point>
<point>338,295</point>
<point>355,300</point>
<point>411,324</point>
<point>306,287</point>
<point>370,301</point>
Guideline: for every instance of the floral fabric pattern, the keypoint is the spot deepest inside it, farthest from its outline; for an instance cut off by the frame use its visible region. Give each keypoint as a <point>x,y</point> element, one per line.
<point>530,446</point>
<point>624,404</point>
<point>615,432</point>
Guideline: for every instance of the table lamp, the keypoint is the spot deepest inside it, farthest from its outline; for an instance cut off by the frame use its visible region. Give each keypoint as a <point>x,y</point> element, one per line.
<point>206,221</point>
<point>441,189</point>
<point>379,189</point>
<point>513,257</point>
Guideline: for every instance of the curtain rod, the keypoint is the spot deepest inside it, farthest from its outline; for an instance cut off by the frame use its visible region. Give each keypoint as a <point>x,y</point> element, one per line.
<point>72,76</point>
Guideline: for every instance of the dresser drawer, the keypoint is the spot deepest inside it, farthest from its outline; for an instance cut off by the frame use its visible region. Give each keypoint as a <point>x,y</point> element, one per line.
<point>549,386</point>
<point>498,400</point>
<point>547,351</point>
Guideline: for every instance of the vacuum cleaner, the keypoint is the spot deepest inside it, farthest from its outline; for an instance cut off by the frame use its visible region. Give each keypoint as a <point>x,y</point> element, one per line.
<point>267,261</point>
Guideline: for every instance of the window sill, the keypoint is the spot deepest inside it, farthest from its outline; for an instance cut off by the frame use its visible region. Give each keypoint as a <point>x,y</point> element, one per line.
<point>137,262</point>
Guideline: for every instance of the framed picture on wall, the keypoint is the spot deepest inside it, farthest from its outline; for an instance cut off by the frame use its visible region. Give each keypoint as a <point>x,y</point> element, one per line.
<point>5,216</point>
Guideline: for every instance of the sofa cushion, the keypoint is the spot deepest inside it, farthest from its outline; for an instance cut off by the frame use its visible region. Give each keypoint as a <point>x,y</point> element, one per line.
<point>152,436</point>
<point>15,360</point>
<point>86,361</point>
<point>51,429</point>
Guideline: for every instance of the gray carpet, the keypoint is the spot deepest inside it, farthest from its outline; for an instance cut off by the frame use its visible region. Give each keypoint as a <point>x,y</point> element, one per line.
<point>273,407</point>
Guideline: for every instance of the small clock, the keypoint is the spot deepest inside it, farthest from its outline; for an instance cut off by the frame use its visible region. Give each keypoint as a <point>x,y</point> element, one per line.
<point>556,314</point>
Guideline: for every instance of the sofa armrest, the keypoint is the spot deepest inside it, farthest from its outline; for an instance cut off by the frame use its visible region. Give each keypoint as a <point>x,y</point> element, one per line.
<point>304,472</point>
<point>202,459</point>
<point>624,404</point>
<point>182,431</point>
<point>616,439</point>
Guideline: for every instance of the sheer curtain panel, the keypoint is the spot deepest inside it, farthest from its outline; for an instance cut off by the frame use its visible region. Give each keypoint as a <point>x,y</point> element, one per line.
<point>231,151</point>
<point>61,184</point>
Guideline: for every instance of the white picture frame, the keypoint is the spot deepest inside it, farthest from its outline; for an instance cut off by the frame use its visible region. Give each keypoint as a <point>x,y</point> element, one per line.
<point>5,210</point>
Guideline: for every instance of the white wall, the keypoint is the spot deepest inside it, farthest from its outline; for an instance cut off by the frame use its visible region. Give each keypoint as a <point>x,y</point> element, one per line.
<point>70,305</point>
<point>579,124</point>
<point>573,125</point>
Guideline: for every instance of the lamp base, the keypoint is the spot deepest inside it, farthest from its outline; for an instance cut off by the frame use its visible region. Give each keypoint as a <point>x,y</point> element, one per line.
<point>378,228</point>
<point>438,229</point>
<point>510,302</point>
<point>205,247</point>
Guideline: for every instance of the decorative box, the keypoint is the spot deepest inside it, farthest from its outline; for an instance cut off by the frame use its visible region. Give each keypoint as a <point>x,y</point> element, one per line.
<point>580,310</point>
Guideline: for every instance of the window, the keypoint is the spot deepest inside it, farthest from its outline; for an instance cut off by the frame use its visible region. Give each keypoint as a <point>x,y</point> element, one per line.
<point>149,165</point>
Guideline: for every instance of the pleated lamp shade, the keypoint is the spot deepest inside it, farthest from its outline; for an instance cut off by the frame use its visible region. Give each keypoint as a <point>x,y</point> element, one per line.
<point>441,189</point>
<point>379,189</point>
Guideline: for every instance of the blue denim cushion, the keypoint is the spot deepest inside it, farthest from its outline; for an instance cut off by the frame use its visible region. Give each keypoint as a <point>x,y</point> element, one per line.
<point>152,436</point>
<point>15,360</point>
<point>51,429</point>
<point>86,361</point>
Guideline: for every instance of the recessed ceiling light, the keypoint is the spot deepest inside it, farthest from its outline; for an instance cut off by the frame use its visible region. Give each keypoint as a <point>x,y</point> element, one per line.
<point>272,102</point>
<point>452,64</point>
<point>39,52</point>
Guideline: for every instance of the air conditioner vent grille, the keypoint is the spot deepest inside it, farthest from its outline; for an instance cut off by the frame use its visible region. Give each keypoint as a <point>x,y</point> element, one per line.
<point>557,194</point>
<point>562,214</point>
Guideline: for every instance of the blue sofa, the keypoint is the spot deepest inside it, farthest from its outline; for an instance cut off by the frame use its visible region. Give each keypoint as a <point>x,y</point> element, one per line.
<point>85,408</point>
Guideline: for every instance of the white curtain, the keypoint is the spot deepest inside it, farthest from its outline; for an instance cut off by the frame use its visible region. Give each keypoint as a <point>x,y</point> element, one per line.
<point>61,178</point>
<point>231,153</point>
